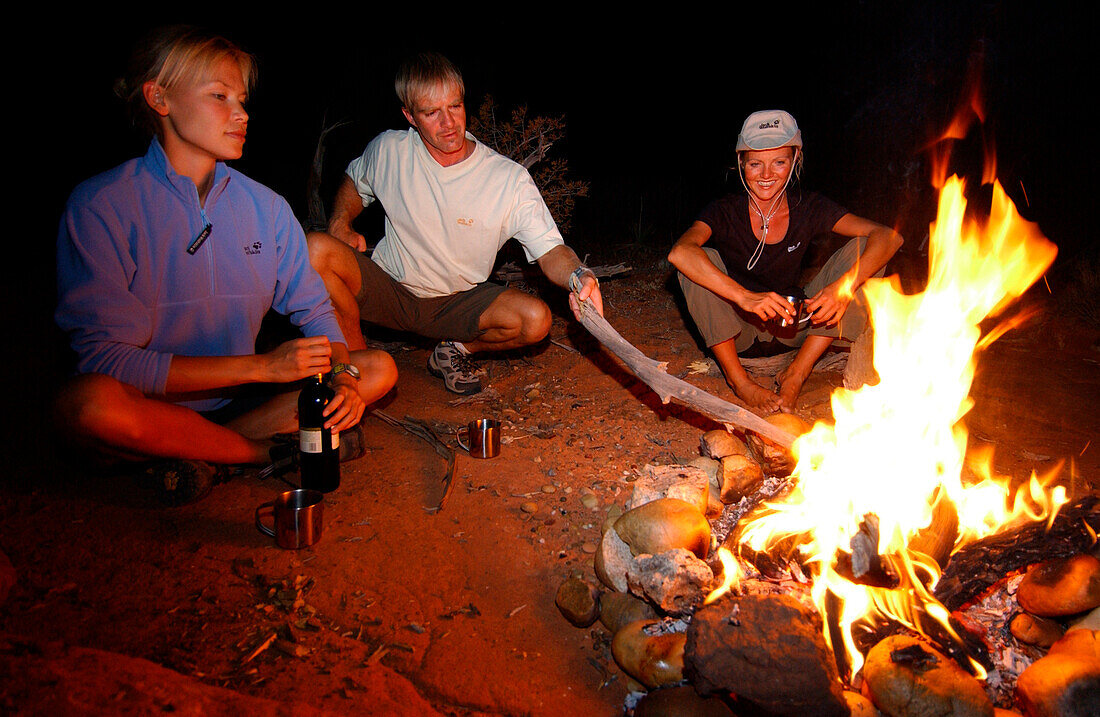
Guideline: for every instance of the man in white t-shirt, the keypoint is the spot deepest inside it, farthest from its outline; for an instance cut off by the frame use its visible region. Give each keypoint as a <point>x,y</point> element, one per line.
<point>451,203</point>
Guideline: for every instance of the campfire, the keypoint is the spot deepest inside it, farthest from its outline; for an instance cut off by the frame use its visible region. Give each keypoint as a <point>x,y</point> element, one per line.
<point>853,542</point>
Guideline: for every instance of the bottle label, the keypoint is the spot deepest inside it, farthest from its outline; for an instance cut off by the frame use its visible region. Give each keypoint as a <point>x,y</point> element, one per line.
<point>309,440</point>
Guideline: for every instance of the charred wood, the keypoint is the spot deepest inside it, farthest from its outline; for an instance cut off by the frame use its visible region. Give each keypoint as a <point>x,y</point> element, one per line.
<point>982,563</point>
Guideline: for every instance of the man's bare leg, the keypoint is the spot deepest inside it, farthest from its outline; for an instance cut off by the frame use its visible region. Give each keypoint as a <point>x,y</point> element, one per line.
<point>790,379</point>
<point>335,262</point>
<point>753,394</point>
<point>514,319</point>
<point>378,374</point>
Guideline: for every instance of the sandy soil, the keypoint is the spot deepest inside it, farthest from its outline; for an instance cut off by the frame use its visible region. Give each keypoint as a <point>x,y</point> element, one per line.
<point>402,609</point>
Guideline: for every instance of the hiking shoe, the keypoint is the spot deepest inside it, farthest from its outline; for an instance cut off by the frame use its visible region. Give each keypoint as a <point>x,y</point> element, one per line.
<point>179,482</point>
<point>459,372</point>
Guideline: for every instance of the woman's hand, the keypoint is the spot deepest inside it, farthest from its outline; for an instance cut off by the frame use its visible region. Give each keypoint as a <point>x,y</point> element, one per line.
<point>346,408</point>
<point>768,306</point>
<point>297,359</point>
<point>827,307</point>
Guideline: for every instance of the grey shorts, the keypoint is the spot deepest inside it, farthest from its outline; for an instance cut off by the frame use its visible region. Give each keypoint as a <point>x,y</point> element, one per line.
<point>720,320</point>
<point>385,302</point>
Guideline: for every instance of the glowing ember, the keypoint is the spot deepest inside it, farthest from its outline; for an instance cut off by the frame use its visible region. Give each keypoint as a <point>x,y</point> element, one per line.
<point>898,444</point>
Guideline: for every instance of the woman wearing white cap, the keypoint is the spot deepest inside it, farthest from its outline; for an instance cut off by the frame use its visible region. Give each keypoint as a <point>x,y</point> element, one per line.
<point>736,286</point>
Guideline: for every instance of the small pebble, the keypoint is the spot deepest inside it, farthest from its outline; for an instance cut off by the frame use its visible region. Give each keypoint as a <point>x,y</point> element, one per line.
<point>529,506</point>
<point>589,548</point>
<point>548,488</point>
<point>588,500</point>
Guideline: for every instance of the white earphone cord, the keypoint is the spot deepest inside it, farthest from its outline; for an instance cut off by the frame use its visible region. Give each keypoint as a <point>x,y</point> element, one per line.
<point>764,220</point>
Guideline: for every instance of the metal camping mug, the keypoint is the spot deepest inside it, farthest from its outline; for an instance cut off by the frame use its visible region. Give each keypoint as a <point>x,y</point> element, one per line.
<point>482,438</point>
<point>796,301</point>
<point>298,518</point>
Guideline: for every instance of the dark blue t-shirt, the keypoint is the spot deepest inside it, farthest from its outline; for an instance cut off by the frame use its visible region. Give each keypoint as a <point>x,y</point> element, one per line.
<point>780,264</point>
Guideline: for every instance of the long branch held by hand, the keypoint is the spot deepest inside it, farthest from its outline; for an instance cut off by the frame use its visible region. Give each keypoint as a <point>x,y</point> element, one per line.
<point>670,388</point>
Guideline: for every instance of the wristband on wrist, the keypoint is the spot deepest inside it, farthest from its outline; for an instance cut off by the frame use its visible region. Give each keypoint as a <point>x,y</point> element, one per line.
<point>578,274</point>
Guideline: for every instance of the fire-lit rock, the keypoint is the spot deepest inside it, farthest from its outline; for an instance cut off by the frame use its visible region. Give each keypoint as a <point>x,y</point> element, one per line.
<point>680,701</point>
<point>719,443</point>
<point>578,601</point>
<point>906,676</point>
<point>1083,643</point>
<point>665,524</point>
<point>674,581</point>
<point>738,476</point>
<point>775,459</point>
<point>1065,683</point>
<point>620,609</point>
<point>1038,631</point>
<point>859,705</point>
<point>767,649</point>
<point>612,559</point>
<point>649,653</point>
<point>1063,586</point>
<point>686,483</point>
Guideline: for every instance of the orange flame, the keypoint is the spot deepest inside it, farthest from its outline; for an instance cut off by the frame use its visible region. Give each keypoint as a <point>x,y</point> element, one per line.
<point>731,575</point>
<point>896,445</point>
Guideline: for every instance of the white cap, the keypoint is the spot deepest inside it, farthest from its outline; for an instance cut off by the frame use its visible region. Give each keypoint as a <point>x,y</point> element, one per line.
<point>769,129</point>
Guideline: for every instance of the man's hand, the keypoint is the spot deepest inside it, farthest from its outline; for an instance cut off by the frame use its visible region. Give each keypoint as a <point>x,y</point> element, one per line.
<point>347,407</point>
<point>349,236</point>
<point>297,359</point>
<point>827,307</point>
<point>590,291</point>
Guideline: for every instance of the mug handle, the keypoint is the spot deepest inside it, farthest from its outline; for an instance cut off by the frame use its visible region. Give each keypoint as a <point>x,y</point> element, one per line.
<point>458,437</point>
<point>270,532</point>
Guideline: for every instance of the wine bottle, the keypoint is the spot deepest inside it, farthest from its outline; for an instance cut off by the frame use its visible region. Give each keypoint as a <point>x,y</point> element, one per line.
<point>319,446</point>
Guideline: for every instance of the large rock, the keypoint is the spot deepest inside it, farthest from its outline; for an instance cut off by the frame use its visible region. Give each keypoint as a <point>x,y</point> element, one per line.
<point>767,649</point>
<point>676,581</point>
<point>737,477</point>
<point>1062,586</point>
<point>613,558</point>
<point>719,443</point>
<point>620,609</point>
<point>665,524</point>
<point>1038,631</point>
<point>578,602</point>
<point>905,676</point>
<point>775,459</point>
<point>649,653</point>
<point>686,483</point>
<point>1065,683</point>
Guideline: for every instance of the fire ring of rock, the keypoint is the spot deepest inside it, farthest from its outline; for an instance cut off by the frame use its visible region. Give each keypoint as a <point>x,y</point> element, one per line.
<point>689,648</point>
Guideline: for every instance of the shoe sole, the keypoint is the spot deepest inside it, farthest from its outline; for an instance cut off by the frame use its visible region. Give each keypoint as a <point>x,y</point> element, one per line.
<point>438,373</point>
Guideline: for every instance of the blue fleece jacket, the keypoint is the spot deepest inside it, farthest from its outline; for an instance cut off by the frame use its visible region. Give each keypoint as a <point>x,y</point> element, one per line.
<point>130,295</point>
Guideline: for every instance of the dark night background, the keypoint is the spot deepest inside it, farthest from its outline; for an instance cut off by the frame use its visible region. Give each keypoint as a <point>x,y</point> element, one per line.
<point>653,106</point>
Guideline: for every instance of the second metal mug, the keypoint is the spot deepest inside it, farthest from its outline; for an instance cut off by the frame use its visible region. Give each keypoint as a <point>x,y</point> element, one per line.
<point>298,518</point>
<point>482,438</point>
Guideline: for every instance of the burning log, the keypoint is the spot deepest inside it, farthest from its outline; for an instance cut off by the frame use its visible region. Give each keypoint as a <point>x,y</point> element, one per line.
<point>982,563</point>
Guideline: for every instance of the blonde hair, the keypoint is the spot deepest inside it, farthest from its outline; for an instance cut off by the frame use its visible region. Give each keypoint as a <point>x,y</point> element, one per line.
<point>171,56</point>
<point>420,74</point>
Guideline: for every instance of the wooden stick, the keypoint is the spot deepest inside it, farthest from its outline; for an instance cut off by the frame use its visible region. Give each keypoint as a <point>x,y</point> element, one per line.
<point>669,388</point>
<point>422,430</point>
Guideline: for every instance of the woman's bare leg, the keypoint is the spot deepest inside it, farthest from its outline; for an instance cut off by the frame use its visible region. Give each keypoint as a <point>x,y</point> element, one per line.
<point>753,394</point>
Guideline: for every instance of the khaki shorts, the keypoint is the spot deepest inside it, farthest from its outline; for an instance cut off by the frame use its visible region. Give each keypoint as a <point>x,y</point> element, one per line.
<point>720,320</point>
<point>385,302</point>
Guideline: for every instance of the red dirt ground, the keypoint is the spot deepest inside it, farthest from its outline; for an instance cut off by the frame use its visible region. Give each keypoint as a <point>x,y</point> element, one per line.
<point>121,606</point>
